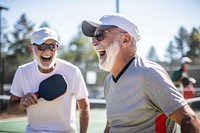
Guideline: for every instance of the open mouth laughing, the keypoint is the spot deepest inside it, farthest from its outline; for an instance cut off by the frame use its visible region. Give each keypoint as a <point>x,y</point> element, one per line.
<point>46,58</point>
<point>101,51</point>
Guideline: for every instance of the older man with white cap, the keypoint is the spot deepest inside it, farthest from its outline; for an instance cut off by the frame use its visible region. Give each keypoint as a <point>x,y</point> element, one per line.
<point>47,115</point>
<point>140,96</point>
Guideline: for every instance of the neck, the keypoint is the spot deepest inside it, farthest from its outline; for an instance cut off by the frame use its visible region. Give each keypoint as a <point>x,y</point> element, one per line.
<point>46,70</point>
<point>120,63</point>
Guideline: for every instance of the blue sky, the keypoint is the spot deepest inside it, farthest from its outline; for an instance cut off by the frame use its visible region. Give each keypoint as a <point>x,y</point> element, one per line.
<point>158,20</point>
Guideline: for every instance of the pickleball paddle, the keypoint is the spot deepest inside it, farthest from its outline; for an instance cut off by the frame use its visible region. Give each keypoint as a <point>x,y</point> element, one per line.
<point>52,87</point>
<point>185,81</point>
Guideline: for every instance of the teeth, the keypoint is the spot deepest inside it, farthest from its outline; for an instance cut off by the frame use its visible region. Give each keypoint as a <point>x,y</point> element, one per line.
<point>46,56</point>
<point>100,50</point>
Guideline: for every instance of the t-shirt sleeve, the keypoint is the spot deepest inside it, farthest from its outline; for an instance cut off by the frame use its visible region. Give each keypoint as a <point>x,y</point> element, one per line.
<point>161,92</point>
<point>16,87</point>
<point>176,75</point>
<point>79,86</point>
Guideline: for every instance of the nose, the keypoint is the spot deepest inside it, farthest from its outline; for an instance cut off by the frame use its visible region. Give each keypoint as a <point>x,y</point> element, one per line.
<point>47,50</point>
<point>94,41</point>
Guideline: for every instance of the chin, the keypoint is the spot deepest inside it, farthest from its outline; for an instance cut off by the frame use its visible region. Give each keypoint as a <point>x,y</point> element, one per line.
<point>105,68</point>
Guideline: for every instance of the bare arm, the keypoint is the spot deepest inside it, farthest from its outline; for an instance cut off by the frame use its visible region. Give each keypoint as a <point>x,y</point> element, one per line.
<point>187,119</point>
<point>107,128</point>
<point>84,113</point>
<point>17,105</point>
<point>177,82</point>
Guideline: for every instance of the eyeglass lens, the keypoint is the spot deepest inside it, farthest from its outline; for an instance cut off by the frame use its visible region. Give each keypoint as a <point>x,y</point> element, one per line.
<point>43,47</point>
<point>99,35</point>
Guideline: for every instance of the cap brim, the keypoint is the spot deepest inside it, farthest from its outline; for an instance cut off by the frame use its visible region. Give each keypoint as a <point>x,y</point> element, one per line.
<point>88,27</point>
<point>41,41</point>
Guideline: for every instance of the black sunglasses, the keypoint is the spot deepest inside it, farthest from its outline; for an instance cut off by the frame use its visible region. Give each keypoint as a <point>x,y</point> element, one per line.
<point>43,47</point>
<point>99,35</point>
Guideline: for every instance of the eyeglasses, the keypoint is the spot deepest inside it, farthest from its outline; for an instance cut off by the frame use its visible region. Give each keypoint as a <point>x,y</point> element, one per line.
<point>43,47</point>
<point>99,35</point>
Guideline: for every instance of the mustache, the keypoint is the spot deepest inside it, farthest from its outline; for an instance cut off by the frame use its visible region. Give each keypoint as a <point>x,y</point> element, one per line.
<point>97,47</point>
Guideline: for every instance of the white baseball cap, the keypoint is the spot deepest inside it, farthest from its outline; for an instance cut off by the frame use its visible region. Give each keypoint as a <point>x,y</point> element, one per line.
<point>115,20</point>
<point>186,60</point>
<point>40,35</point>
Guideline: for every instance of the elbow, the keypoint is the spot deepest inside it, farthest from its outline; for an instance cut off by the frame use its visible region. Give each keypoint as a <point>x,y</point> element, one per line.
<point>190,123</point>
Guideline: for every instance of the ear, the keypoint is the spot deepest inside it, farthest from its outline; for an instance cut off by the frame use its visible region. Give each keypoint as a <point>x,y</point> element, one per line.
<point>125,40</point>
<point>30,48</point>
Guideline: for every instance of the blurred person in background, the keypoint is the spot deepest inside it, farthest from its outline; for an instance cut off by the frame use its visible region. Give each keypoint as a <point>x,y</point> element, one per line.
<point>58,115</point>
<point>139,94</point>
<point>182,80</point>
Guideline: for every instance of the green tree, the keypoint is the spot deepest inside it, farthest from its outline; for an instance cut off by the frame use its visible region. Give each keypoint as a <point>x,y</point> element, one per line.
<point>181,41</point>
<point>44,24</point>
<point>152,54</point>
<point>80,52</point>
<point>18,40</point>
<point>171,53</point>
<point>194,44</point>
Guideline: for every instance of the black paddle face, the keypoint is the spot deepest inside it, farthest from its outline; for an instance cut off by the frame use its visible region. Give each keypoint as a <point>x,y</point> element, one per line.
<point>185,82</point>
<point>52,87</point>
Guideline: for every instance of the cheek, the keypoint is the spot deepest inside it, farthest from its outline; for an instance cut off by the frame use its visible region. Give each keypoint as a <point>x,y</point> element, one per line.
<point>36,52</point>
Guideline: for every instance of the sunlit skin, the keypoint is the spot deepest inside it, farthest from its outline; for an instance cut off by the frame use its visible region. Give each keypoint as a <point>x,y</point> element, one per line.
<point>186,66</point>
<point>45,59</point>
<point>107,54</point>
<point>113,51</point>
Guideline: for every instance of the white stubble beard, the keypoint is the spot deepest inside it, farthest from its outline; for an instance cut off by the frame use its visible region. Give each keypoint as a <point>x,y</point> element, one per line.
<point>111,55</point>
<point>41,65</point>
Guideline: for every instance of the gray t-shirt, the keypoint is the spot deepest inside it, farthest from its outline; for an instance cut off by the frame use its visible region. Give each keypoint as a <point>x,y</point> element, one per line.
<point>141,98</point>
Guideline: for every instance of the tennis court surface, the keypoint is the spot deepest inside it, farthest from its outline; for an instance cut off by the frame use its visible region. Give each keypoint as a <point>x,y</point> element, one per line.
<point>18,125</point>
<point>96,125</point>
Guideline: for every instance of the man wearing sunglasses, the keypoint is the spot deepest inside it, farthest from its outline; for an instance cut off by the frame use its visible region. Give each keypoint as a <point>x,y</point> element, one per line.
<point>140,97</point>
<point>58,115</point>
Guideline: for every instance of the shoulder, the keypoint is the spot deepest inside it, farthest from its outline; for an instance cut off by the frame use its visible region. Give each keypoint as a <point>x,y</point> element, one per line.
<point>148,66</point>
<point>66,65</point>
<point>28,66</point>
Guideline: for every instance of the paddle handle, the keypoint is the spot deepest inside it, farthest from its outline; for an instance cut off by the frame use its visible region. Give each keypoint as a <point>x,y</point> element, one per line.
<point>37,94</point>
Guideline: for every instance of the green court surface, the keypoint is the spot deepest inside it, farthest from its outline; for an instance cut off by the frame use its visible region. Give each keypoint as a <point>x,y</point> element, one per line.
<point>13,125</point>
<point>96,125</point>
<point>18,125</point>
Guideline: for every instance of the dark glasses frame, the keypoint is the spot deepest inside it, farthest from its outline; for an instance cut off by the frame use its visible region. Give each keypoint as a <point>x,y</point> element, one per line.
<point>44,46</point>
<point>99,35</point>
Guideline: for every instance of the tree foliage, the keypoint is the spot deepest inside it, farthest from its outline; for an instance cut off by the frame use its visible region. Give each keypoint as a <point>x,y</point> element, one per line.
<point>152,55</point>
<point>17,42</point>
<point>186,44</point>
<point>181,41</point>
<point>194,44</point>
<point>80,52</point>
<point>19,39</point>
<point>171,52</point>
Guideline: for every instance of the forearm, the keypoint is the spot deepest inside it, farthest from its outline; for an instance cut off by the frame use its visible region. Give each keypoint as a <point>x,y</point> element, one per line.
<point>190,125</point>
<point>84,119</point>
<point>177,82</point>
<point>15,107</point>
<point>107,129</point>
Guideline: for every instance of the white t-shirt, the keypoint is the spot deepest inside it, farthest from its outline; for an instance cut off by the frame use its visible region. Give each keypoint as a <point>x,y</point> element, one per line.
<point>58,115</point>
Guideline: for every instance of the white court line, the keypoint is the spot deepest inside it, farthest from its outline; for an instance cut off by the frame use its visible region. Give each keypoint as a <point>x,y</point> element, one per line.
<point>102,101</point>
<point>23,118</point>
